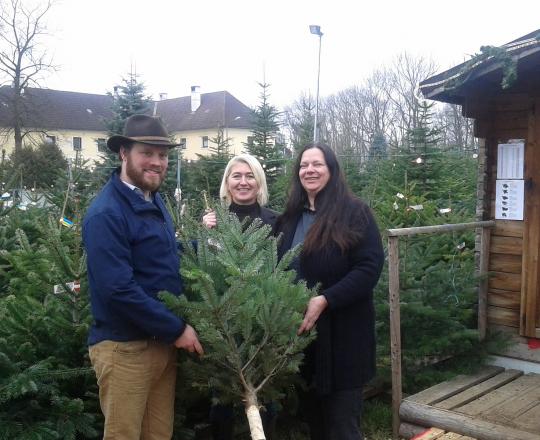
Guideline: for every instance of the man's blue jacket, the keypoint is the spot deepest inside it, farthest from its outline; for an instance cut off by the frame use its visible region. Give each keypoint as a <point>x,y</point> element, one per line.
<point>132,256</point>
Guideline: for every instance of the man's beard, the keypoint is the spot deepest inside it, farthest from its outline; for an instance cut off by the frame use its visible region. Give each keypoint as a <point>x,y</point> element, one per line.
<point>138,178</point>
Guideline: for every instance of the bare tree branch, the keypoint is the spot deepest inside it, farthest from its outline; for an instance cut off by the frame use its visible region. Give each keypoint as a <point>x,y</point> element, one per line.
<point>22,59</point>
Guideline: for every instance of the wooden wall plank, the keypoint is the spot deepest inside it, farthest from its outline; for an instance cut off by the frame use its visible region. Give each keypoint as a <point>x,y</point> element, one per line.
<point>510,133</point>
<point>481,128</point>
<point>503,316</point>
<point>505,281</point>
<point>511,102</point>
<point>506,245</point>
<point>505,263</point>
<point>512,120</point>
<point>475,108</point>
<point>508,228</point>
<point>504,298</point>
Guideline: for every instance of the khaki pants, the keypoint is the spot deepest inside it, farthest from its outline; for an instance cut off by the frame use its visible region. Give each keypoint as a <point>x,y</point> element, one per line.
<point>136,382</point>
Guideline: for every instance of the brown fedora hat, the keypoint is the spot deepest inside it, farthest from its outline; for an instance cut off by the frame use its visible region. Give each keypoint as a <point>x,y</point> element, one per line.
<point>143,129</point>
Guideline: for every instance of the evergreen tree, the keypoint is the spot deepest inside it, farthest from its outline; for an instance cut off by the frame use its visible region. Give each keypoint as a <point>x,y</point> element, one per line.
<point>47,390</point>
<point>279,190</point>
<point>264,141</point>
<point>206,173</point>
<point>416,186</point>
<point>351,165</point>
<point>422,144</point>
<point>379,146</point>
<point>127,99</point>
<point>246,308</point>
<point>38,167</point>
<point>299,119</point>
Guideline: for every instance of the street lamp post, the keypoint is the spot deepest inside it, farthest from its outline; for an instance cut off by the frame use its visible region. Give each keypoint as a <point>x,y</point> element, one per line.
<point>178,190</point>
<point>316,30</point>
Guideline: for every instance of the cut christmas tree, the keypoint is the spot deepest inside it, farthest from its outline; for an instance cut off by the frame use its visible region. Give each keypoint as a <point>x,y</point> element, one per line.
<point>246,307</point>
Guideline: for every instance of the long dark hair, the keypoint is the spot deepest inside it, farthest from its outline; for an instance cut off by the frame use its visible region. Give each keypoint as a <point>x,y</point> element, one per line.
<point>338,221</point>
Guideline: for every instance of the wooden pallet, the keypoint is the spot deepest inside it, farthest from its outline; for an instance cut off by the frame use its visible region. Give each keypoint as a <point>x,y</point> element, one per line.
<point>495,404</point>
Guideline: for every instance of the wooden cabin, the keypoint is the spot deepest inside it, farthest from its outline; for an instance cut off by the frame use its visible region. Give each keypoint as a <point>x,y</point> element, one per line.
<point>501,402</point>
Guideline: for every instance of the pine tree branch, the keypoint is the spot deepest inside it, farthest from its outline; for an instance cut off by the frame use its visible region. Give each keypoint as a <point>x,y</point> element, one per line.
<point>279,365</point>
<point>257,351</point>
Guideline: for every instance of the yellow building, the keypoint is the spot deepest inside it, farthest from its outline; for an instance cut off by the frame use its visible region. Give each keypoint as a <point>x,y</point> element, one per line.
<point>75,121</point>
<point>194,120</point>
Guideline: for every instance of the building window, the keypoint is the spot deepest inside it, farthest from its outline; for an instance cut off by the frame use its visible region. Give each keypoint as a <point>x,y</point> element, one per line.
<point>51,140</point>
<point>77,143</point>
<point>205,141</point>
<point>249,140</point>
<point>183,143</point>
<point>101,145</point>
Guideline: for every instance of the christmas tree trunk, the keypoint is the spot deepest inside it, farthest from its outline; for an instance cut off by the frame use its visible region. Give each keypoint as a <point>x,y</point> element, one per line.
<point>254,416</point>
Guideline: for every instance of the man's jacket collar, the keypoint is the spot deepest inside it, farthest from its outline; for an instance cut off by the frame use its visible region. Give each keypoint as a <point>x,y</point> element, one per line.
<point>135,200</point>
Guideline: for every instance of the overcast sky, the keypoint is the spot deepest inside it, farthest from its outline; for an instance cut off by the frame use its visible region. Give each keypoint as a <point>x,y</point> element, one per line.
<point>233,44</point>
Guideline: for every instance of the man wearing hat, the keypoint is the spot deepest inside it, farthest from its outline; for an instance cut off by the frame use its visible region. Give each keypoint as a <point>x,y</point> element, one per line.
<point>132,256</point>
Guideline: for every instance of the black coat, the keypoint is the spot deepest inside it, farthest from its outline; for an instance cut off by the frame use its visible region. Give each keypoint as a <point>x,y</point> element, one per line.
<point>267,216</point>
<point>343,354</point>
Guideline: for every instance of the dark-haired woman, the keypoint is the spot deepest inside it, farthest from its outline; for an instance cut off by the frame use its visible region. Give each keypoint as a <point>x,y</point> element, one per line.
<point>342,253</point>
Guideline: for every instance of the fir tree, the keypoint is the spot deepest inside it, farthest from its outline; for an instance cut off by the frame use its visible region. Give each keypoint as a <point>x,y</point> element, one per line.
<point>47,389</point>
<point>416,186</point>
<point>127,99</point>
<point>379,146</point>
<point>206,173</point>
<point>246,308</point>
<point>300,121</point>
<point>351,164</point>
<point>422,145</point>
<point>38,166</point>
<point>264,141</point>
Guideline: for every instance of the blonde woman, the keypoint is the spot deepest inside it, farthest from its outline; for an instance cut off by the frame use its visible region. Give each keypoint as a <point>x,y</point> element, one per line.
<point>243,189</point>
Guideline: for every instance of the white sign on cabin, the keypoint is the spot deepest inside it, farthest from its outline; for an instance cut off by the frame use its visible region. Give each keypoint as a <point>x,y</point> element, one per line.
<point>510,160</point>
<point>509,199</point>
<point>509,188</point>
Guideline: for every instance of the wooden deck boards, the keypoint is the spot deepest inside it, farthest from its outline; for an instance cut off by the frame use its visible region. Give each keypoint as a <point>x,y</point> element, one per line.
<point>479,390</point>
<point>494,404</point>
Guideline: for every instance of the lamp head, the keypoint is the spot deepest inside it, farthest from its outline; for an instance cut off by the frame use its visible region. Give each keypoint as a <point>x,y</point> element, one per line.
<point>315,30</point>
